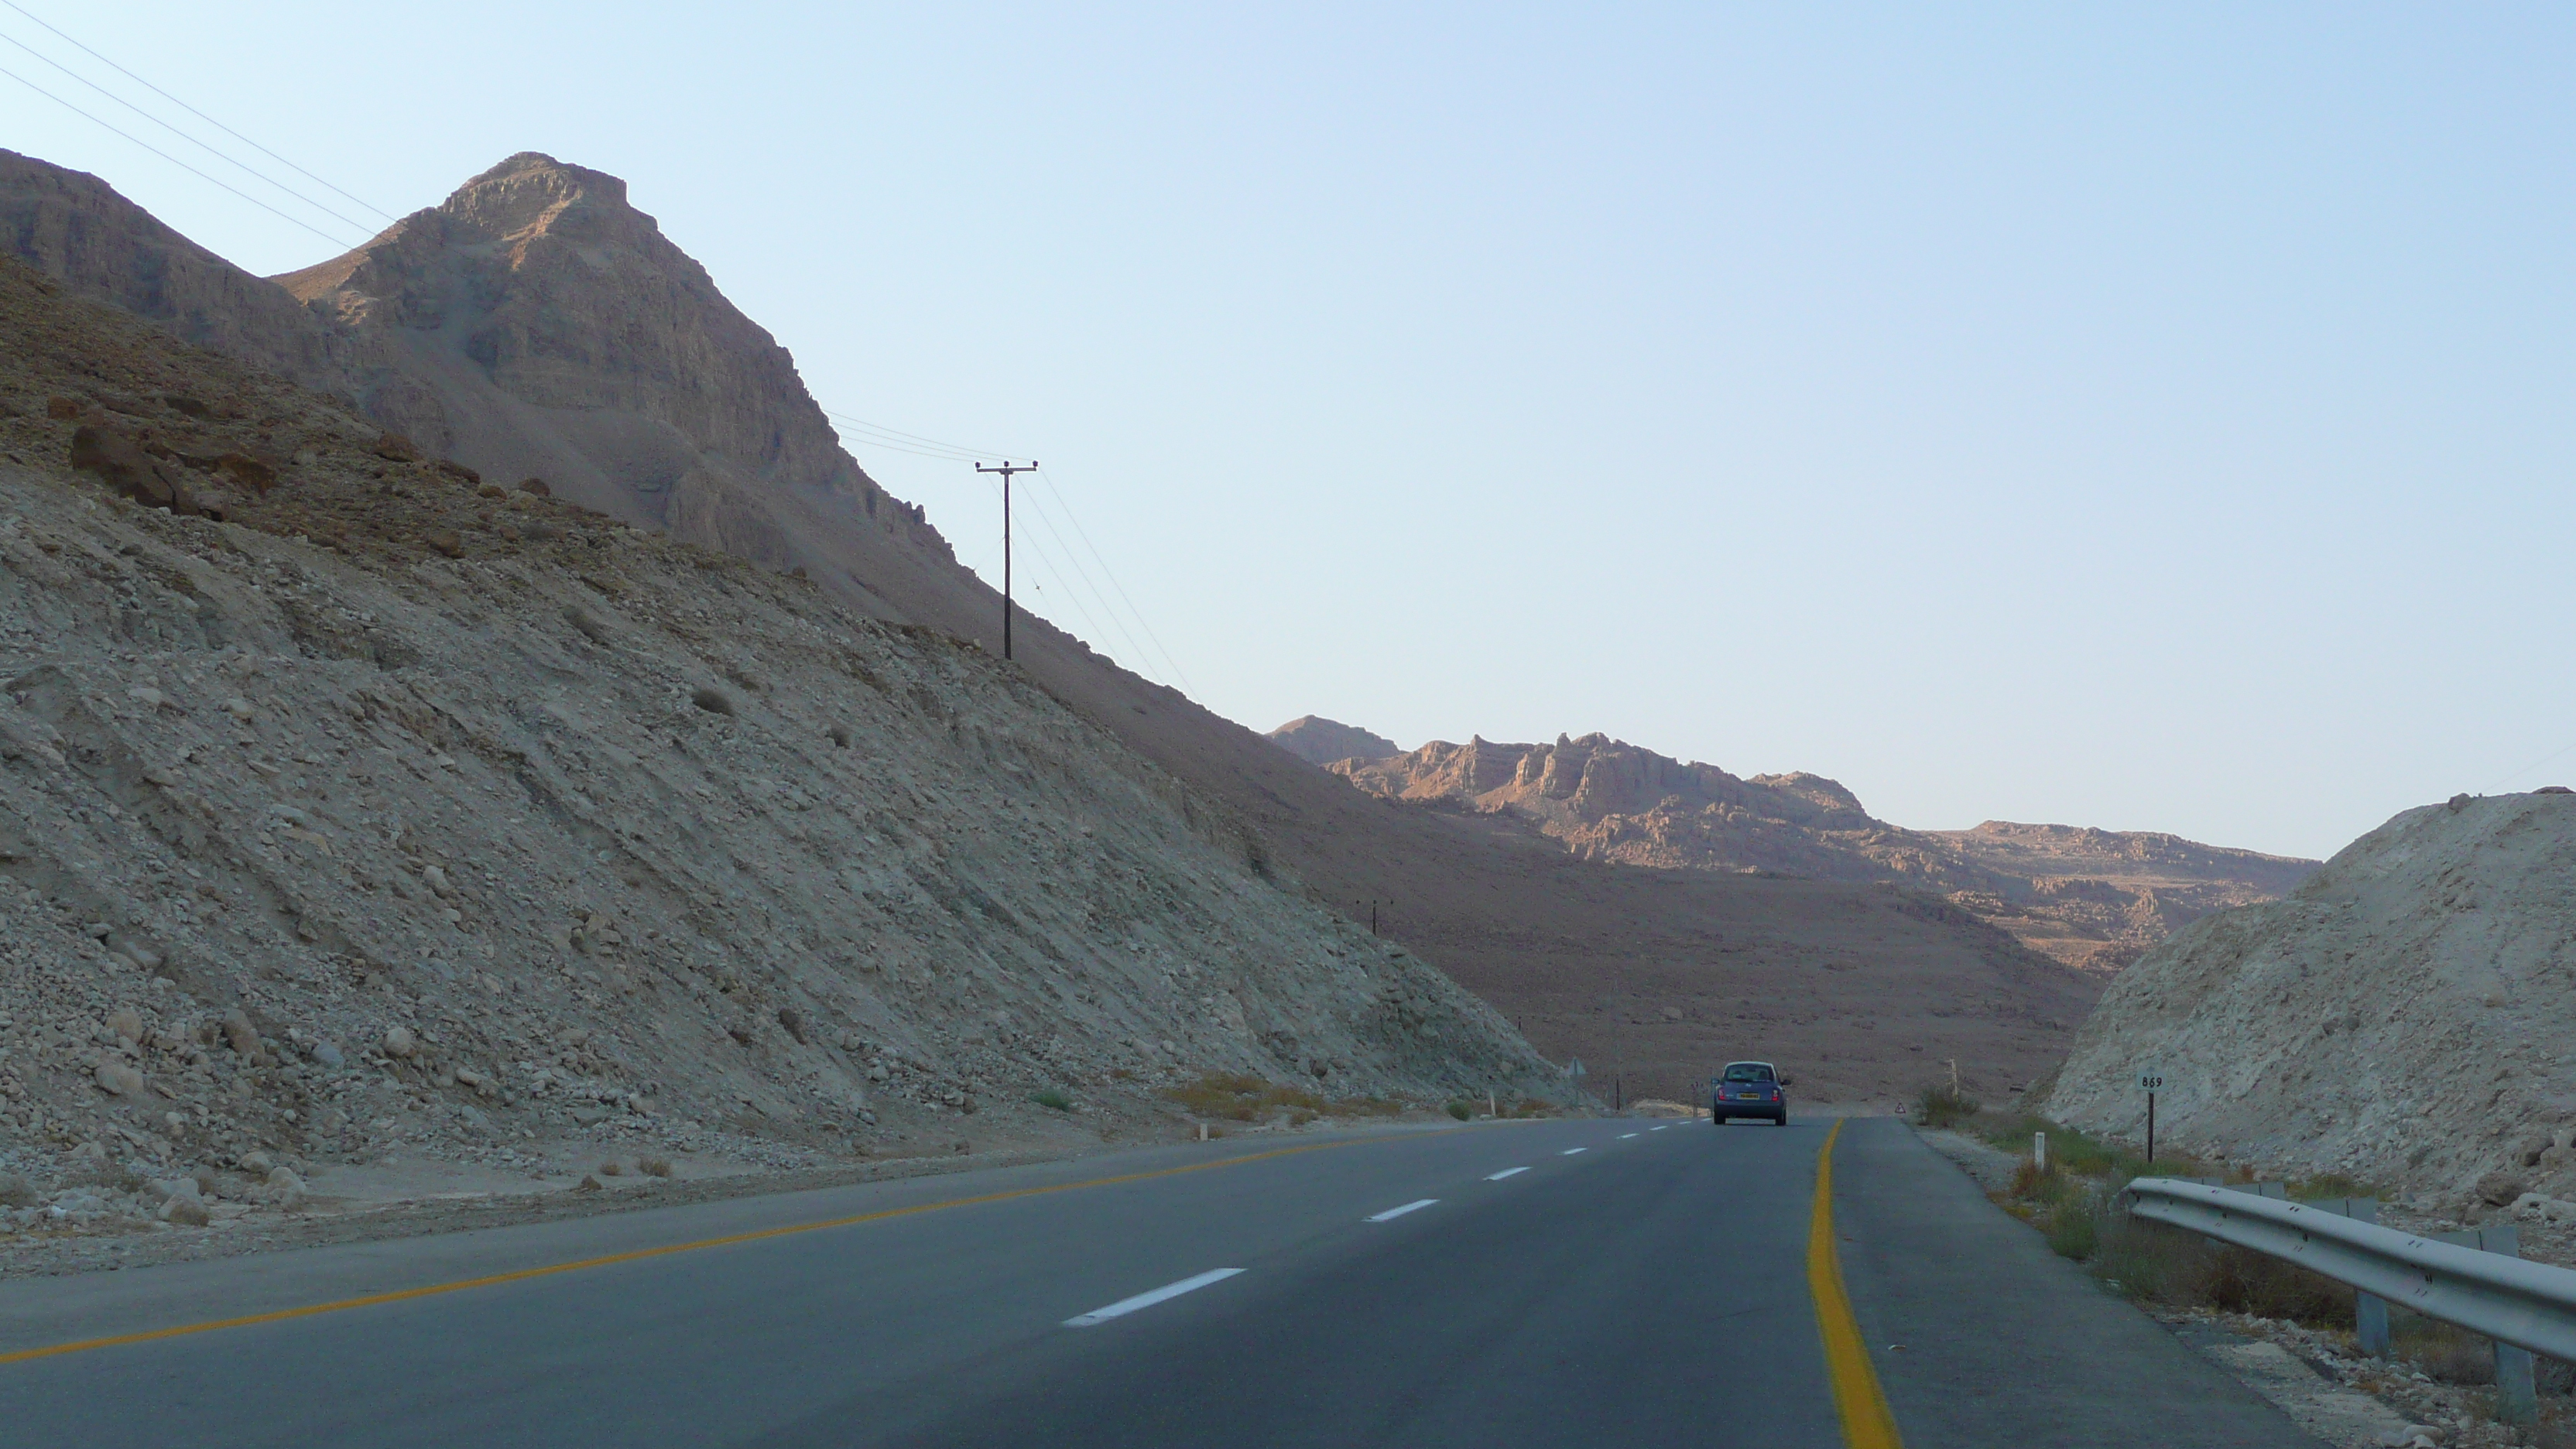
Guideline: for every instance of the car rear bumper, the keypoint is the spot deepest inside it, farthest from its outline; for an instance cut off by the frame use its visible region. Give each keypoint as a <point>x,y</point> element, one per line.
<point>1767,1111</point>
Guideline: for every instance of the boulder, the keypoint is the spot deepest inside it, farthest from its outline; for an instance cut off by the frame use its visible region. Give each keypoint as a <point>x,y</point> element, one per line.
<point>239,1033</point>
<point>399,1042</point>
<point>119,1077</point>
<point>126,1022</point>
<point>120,463</point>
<point>245,471</point>
<point>2499,1189</point>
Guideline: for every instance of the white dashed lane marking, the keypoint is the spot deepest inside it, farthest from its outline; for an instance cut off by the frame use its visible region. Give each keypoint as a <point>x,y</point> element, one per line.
<point>1569,1152</point>
<point>1125,1306</point>
<point>1397,1212</point>
<point>1624,1136</point>
<point>1506,1172</point>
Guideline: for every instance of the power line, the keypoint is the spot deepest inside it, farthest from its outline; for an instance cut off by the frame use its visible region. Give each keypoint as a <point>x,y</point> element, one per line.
<point>200,115</point>
<point>1136,650</point>
<point>920,445</point>
<point>1071,595</point>
<point>166,156</point>
<point>2527,769</point>
<point>1141,620</point>
<point>182,135</point>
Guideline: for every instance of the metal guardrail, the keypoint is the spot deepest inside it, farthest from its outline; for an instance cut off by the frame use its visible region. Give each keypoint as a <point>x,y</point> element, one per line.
<point>2477,1281</point>
<point>2532,1305</point>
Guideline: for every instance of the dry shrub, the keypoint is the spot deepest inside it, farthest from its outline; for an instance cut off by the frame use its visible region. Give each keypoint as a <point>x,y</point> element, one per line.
<point>2445,1353</point>
<point>1943,1106</point>
<point>2171,1265</point>
<point>653,1167</point>
<point>611,1168</point>
<point>1242,1097</point>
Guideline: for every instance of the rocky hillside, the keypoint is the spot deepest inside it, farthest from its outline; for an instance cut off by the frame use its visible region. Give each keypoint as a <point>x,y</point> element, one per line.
<point>1322,741</point>
<point>2400,1018</point>
<point>631,395</point>
<point>2094,899</point>
<point>351,803</point>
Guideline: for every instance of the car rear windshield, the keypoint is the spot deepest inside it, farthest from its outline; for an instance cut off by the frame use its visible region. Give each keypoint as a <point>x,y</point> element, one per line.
<point>1748,1072</point>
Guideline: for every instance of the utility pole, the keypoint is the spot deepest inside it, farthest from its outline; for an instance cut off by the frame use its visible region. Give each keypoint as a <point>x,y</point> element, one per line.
<point>1006,470</point>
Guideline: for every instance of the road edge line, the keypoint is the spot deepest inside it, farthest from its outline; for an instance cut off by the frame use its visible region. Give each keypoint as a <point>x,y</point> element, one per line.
<point>1859,1402</point>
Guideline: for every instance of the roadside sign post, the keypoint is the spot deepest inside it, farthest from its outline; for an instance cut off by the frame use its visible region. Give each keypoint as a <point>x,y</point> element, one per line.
<point>2151,1081</point>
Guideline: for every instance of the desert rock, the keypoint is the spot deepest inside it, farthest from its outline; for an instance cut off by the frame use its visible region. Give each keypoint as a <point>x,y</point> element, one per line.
<point>2328,1032</point>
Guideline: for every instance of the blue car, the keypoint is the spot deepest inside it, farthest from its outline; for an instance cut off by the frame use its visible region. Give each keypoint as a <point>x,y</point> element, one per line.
<point>1749,1089</point>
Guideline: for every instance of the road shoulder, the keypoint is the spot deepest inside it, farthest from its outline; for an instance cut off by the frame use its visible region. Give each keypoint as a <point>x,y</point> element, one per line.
<point>1981,1334</point>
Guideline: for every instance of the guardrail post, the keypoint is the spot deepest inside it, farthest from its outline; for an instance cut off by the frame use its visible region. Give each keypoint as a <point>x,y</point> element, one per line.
<point>2517,1395</point>
<point>2369,1310</point>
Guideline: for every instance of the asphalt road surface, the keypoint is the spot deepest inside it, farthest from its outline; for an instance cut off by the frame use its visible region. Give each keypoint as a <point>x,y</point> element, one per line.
<point>1609,1282</point>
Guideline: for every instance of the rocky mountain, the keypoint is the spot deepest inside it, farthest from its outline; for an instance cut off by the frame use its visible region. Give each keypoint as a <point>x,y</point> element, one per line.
<point>351,804</point>
<point>537,324</point>
<point>2094,899</point>
<point>2400,1018</point>
<point>1322,741</point>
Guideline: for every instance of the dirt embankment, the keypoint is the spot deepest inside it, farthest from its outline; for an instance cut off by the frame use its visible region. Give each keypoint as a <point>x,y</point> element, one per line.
<point>2399,1019</point>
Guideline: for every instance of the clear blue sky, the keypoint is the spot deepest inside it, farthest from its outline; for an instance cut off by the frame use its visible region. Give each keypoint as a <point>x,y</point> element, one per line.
<point>2154,419</point>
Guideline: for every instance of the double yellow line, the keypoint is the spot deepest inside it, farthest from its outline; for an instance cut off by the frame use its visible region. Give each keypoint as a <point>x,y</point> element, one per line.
<point>1858,1400</point>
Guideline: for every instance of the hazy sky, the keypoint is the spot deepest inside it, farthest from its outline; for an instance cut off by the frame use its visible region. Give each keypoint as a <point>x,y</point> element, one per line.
<point>2155,420</point>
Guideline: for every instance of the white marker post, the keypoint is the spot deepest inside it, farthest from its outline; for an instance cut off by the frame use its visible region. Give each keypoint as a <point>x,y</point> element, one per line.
<point>2151,1080</point>
<point>2039,1151</point>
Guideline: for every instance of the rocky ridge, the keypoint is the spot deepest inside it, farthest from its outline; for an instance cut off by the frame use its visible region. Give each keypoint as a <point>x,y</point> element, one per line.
<point>2397,1019</point>
<point>352,805</point>
<point>2095,899</point>
<point>1321,741</point>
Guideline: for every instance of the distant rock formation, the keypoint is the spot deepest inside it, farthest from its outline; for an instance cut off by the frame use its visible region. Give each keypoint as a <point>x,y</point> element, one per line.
<point>2095,899</point>
<point>1323,741</point>
<point>2400,1018</point>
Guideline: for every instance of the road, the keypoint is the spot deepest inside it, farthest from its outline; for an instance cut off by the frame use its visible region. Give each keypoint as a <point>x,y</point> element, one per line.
<point>1603,1282</point>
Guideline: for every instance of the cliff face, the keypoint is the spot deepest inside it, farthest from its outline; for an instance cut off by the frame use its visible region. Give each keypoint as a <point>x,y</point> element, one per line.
<point>2400,1018</point>
<point>2092,898</point>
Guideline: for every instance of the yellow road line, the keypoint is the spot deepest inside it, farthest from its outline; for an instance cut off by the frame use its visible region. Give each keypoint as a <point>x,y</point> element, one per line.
<point>640,1254</point>
<point>1862,1405</point>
